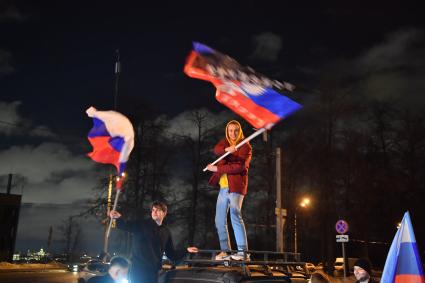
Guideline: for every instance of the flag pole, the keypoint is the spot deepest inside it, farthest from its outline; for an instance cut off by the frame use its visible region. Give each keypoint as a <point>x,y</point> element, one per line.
<point>117,71</point>
<point>253,135</point>
<point>113,208</point>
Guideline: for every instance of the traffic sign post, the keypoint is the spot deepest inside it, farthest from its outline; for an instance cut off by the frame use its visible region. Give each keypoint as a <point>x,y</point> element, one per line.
<point>341,228</point>
<point>342,238</point>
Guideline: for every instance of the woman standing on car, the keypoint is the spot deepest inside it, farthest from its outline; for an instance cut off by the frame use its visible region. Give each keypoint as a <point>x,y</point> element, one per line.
<point>231,176</point>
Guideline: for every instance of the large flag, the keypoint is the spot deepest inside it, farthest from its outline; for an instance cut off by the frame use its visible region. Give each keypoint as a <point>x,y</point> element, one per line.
<point>256,98</point>
<point>403,264</point>
<point>112,138</point>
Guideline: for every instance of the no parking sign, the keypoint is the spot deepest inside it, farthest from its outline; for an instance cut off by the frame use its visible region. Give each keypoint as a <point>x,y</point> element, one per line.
<point>341,226</point>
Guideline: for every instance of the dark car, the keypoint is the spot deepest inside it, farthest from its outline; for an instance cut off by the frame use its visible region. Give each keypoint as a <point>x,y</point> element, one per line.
<point>267,267</point>
<point>233,274</point>
<point>263,267</point>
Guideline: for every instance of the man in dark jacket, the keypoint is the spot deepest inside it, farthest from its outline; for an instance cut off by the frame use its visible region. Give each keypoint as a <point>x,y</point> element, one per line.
<point>150,240</point>
<point>117,271</point>
<point>362,271</point>
<point>231,174</point>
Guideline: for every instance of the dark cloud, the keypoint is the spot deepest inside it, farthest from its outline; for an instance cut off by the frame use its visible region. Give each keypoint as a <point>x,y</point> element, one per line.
<point>12,123</point>
<point>394,68</point>
<point>184,124</point>
<point>6,66</point>
<point>267,46</point>
<point>12,14</point>
<point>401,49</point>
<point>9,117</point>
<point>41,165</point>
<point>390,70</point>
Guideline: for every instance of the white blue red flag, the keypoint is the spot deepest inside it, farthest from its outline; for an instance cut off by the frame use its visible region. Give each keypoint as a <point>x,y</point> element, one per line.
<point>256,98</point>
<point>403,264</point>
<point>112,138</point>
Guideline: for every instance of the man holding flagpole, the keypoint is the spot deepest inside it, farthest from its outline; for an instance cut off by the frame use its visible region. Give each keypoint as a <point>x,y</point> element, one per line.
<point>231,175</point>
<point>151,238</point>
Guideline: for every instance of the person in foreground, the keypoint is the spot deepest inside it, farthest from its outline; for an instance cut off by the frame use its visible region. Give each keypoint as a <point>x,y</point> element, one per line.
<point>362,271</point>
<point>117,272</point>
<point>150,240</point>
<point>231,175</point>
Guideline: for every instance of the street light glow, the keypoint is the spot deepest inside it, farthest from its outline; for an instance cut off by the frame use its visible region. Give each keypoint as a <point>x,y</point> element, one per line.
<point>305,202</point>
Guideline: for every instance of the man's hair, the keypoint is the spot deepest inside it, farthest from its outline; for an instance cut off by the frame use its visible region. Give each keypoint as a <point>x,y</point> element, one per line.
<point>119,261</point>
<point>159,204</point>
<point>319,277</point>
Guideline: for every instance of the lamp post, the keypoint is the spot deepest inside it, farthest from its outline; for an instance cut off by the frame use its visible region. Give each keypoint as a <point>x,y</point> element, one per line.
<point>304,204</point>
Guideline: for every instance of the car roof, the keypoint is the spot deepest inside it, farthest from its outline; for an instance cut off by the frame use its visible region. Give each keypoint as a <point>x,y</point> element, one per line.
<point>264,266</point>
<point>221,274</point>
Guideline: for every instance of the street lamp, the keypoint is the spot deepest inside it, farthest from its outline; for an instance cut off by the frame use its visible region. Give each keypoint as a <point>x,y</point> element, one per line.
<point>304,204</point>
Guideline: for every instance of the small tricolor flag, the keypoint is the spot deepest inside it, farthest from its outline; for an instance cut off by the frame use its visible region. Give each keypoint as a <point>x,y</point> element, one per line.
<point>112,138</point>
<point>256,98</point>
<point>403,264</point>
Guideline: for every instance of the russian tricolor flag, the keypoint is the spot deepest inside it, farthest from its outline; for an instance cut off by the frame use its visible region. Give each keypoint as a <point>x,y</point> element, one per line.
<point>112,138</point>
<point>241,89</point>
<point>403,264</point>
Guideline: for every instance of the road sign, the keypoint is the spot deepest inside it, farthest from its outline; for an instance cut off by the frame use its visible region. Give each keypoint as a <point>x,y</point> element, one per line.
<point>342,238</point>
<point>341,226</point>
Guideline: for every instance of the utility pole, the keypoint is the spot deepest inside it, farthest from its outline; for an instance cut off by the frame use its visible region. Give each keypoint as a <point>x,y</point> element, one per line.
<point>9,184</point>
<point>49,239</point>
<point>295,233</point>
<point>279,211</point>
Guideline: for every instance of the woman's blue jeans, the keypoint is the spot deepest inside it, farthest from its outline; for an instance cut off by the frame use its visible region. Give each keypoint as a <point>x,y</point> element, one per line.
<point>233,201</point>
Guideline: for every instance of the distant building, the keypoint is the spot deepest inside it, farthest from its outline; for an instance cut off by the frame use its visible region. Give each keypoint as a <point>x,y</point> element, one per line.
<point>9,215</point>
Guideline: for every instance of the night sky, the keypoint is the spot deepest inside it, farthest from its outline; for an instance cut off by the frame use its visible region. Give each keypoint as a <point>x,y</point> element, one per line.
<point>57,59</point>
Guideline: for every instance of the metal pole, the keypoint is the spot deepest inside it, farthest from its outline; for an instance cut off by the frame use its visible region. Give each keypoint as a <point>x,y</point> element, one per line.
<point>114,208</point>
<point>117,72</point>
<point>345,261</point>
<point>117,77</point>
<point>279,218</point>
<point>109,205</point>
<point>9,184</point>
<point>295,233</point>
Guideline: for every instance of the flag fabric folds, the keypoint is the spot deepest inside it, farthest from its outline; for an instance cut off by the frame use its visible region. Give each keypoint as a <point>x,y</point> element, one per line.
<point>256,98</point>
<point>112,138</point>
<point>403,264</point>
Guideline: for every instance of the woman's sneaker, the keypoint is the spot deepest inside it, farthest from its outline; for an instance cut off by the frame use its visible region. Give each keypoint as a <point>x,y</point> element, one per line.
<point>222,256</point>
<point>241,256</point>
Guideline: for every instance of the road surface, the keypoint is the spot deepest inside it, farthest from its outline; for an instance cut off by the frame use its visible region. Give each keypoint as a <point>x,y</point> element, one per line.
<point>38,276</point>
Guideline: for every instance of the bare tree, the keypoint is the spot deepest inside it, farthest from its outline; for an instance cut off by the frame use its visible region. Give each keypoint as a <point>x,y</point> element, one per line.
<point>197,143</point>
<point>71,237</point>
